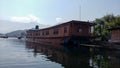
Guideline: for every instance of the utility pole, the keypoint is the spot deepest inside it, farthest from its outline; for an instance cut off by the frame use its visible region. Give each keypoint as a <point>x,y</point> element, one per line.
<point>80,12</point>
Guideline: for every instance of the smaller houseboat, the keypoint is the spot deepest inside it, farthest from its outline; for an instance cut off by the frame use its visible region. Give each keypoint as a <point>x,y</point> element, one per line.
<point>19,37</point>
<point>115,35</point>
<point>4,36</point>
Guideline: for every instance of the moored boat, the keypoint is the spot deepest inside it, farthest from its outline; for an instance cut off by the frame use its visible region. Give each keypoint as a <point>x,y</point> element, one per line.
<point>19,37</point>
<point>72,32</point>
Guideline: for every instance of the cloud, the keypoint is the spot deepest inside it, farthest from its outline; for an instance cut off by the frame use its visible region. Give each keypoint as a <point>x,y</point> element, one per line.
<point>25,19</point>
<point>8,26</point>
<point>59,20</point>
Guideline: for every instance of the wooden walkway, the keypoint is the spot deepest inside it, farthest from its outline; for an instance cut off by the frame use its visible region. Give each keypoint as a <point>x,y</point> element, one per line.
<point>90,45</point>
<point>114,47</point>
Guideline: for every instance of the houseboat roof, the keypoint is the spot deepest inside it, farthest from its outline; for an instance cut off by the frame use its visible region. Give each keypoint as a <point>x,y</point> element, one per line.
<point>114,28</point>
<point>72,21</point>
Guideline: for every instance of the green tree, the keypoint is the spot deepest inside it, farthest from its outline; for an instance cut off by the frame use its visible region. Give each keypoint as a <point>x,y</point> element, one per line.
<point>105,23</point>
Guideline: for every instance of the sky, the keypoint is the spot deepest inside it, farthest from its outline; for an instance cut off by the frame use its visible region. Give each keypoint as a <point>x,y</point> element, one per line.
<point>51,12</point>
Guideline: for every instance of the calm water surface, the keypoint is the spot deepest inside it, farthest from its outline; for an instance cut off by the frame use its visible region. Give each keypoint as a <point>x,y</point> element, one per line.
<point>15,53</point>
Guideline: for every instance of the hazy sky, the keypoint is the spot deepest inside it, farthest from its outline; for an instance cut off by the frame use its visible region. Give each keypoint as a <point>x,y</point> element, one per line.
<point>50,12</point>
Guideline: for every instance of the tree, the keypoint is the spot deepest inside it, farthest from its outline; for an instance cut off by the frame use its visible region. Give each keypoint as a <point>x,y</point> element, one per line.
<point>105,23</point>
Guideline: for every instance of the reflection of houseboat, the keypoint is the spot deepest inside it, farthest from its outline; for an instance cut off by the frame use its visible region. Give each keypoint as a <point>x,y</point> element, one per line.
<point>72,32</point>
<point>60,54</point>
<point>95,58</point>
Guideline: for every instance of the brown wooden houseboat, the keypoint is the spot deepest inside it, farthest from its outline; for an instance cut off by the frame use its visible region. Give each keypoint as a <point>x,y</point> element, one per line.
<point>115,35</point>
<point>72,32</point>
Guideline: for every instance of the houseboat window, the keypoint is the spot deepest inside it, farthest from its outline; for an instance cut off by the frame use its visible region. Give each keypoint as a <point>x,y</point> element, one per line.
<point>36,34</point>
<point>79,30</point>
<point>70,24</point>
<point>56,31</point>
<point>65,30</point>
<point>47,33</point>
<point>42,33</point>
<point>90,29</point>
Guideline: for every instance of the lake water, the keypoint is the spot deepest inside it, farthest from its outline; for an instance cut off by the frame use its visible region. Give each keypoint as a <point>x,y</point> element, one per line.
<point>17,53</point>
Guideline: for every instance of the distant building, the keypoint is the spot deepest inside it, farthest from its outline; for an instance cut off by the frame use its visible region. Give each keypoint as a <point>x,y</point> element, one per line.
<point>115,35</point>
<point>72,31</point>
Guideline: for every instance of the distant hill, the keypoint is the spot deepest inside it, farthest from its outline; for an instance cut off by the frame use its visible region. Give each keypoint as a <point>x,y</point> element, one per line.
<point>16,33</point>
<point>1,34</point>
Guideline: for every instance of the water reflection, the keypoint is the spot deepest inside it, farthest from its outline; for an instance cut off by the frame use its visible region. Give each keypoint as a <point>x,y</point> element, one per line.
<point>72,57</point>
<point>102,58</point>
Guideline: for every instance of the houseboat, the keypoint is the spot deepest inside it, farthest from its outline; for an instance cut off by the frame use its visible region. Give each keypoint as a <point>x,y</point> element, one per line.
<point>115,35</point>
<point>71,32</point>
